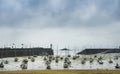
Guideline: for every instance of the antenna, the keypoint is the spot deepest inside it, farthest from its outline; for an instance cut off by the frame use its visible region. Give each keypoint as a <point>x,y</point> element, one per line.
<point>57,50</point>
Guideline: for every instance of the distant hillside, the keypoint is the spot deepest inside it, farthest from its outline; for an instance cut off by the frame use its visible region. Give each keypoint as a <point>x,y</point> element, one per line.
<point>99,50</point>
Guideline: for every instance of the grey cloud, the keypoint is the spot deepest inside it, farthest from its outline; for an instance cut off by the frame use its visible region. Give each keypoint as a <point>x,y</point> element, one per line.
<point>66,15</point>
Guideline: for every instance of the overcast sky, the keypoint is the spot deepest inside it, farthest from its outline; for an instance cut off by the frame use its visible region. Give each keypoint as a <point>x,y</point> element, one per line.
<point>64,23</point>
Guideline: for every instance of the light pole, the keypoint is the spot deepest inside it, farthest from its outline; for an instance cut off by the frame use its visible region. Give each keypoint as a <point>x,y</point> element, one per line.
<point>22,45</point>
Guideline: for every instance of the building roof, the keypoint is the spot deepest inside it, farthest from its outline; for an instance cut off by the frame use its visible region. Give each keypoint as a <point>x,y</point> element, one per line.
<point>36,48</point>
<point>99,50</point>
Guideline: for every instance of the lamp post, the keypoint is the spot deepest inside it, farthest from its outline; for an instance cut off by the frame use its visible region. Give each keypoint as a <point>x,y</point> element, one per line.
<point>13,46</point>
<point>22,45</point>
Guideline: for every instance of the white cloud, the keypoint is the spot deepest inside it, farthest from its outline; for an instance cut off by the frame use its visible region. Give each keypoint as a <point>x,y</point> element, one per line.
<point>57,5</point>
<point>62,37</point>
<point>87,13</point>
<point>82,26</point>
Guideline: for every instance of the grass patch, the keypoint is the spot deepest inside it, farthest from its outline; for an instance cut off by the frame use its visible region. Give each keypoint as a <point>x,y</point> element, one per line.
<point>62,72</point>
